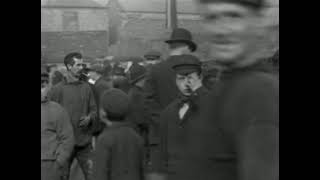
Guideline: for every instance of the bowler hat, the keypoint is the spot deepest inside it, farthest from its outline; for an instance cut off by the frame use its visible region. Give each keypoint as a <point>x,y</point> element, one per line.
<point>180,35</point>
<point>136,72</point>
<point>186,64</point>
<point>116,103</point>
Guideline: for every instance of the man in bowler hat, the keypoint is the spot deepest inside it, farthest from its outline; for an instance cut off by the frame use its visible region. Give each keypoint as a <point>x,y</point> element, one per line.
<point>138,115</point>
<point>244,102</point>
<point>119,150</point>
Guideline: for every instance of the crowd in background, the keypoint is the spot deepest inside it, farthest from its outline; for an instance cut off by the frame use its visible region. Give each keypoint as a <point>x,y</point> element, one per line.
<point>179,118</point>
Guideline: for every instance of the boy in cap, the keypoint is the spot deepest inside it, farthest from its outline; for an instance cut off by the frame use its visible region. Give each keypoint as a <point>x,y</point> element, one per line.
<point>119,150</point>
<point>160,84</point>
<point>180,125</point>
<point>245,100</point>
<point>57,139</point>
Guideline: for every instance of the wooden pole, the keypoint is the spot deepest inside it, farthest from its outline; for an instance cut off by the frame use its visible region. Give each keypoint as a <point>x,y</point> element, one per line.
<point>171,14</point>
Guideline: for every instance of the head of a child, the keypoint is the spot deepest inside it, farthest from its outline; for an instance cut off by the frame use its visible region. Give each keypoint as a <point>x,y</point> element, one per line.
<point>114,106</point>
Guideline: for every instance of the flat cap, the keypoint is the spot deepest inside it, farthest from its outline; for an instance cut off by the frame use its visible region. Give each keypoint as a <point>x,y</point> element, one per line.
<point>186,64</point>
<point>115,102</point>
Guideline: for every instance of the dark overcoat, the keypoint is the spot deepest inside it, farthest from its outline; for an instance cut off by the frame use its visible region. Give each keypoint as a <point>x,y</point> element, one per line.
<point>118,154</point>
<point>234,135</point>
<point>161,90</point>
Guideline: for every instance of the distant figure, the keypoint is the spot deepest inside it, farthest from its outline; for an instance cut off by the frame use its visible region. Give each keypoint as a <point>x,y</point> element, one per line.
<point>95,73</point>
<point>152,57</point>
<point>119,150</point>
<point>119,79</point>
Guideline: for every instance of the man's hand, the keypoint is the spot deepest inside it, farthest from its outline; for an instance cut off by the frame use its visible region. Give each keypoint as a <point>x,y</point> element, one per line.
<point>85,121</point>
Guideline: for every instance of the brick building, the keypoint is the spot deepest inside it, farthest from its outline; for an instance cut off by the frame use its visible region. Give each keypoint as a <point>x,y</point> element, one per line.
<point>143,26</point>
<point>73,25</point>
<point>132,27</point>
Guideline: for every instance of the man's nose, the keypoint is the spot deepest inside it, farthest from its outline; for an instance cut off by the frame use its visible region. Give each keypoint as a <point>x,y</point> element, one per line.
<point>222,27</point>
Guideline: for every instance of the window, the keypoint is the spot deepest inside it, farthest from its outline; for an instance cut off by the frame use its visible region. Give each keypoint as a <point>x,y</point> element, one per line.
<point>70,21</point>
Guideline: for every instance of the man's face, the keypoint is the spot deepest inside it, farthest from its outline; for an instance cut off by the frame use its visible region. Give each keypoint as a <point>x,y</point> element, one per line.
<point>232,28</point>
<point>187,84</point>
<point>77,67</point>
<point>179,49</point>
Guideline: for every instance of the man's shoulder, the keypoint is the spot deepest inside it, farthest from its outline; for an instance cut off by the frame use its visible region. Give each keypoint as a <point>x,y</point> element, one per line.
<point>102,82</point>
<point>162,65</point>
<point>172,107</point>
<point>253,87</point>
<point>114,135</point>
<point>106,137</point>
<point>259,81</point>
<point>55,106</point>
<point>59,85</point>
<point>134,136</point>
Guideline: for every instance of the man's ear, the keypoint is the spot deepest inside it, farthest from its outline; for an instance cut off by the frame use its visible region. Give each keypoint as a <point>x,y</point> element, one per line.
<point>69,67</point>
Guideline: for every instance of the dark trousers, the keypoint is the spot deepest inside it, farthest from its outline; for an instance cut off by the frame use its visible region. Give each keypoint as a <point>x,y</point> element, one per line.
<point>83,156</point>
<point>50,170</point>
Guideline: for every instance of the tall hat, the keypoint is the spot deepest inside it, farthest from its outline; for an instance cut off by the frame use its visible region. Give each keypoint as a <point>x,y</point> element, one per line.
<point>180,35</point>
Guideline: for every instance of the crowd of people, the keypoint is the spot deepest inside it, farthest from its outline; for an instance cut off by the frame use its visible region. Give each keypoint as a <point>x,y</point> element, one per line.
<point>168,119</point>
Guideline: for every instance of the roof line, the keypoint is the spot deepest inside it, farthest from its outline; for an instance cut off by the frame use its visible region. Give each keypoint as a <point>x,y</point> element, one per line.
<point>72,7</point>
